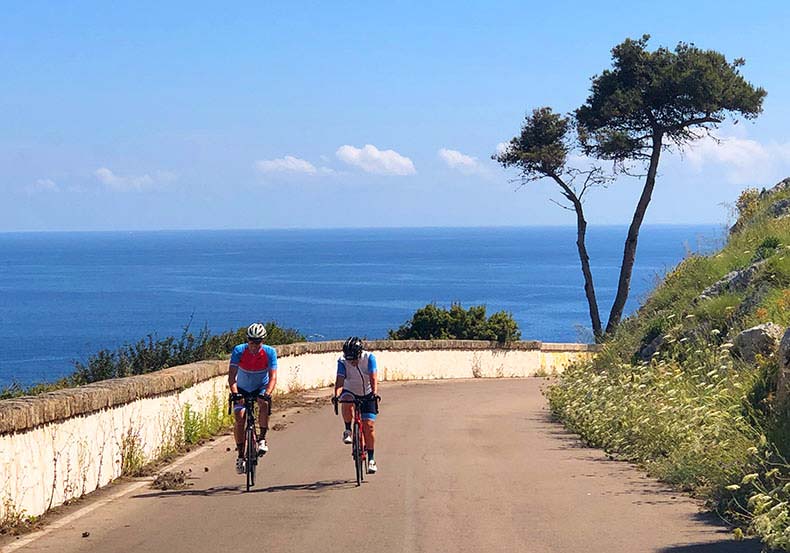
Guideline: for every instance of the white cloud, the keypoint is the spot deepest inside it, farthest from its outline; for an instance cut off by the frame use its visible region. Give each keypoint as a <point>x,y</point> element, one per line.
<point>291,164</point>
<point>131,182</point>
<point>43,185</point>
<point>502,147</point>
<point>287,164</point>
<point>744,161</point>
<point>467,165</point>
<point>372,160</point>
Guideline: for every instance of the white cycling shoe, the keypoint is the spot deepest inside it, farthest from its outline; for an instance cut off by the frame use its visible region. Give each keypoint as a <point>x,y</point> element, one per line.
<point>263,449</point>
<point>239,465</point>
<point>372,468</point>
<point>346,436</point>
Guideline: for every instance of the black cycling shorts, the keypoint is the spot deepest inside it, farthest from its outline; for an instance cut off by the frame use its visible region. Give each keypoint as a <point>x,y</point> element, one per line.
<point>369,408</point>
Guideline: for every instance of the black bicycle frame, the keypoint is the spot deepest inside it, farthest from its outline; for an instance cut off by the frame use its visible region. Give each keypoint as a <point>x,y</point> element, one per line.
<point>250,433</point>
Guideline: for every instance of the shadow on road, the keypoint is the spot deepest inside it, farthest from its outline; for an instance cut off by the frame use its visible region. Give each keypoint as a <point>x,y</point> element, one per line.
<point>234,490</point>
<point>729,546</point>
<point>726,545</point>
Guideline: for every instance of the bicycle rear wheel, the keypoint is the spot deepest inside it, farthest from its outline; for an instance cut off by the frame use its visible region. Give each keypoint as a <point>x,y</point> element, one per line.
<point>364,453</point>
<point>252,457</point>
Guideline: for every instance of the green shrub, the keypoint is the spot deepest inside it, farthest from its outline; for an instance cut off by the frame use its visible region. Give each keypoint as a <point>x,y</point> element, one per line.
<point>718,311</point>
<point>437,323</point>
<point>767,248</point>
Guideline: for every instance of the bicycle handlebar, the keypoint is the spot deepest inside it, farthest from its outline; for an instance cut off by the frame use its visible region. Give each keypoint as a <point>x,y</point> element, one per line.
<point>233,397</point>
<point>358,400</point>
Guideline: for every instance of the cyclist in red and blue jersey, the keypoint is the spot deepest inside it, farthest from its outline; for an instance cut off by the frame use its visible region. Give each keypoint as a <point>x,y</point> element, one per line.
<point>252,368</point>
<point>356,374</point>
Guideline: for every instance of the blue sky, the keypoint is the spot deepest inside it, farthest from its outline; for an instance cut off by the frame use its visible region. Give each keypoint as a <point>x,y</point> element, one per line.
<point>180,115</point>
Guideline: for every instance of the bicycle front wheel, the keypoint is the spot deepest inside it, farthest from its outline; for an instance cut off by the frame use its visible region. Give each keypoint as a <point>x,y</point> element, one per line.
<point>252,458</point>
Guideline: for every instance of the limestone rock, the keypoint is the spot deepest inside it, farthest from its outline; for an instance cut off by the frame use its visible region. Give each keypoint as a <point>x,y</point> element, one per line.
<point>753,298</point>
<point>781,185</point>
<point>647,351</point>
<point>735,281</point>
<point>780,208</point>
<point>762,339</point>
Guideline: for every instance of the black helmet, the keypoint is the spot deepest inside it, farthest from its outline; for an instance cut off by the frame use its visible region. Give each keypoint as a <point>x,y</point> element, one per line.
<point>352,349</point>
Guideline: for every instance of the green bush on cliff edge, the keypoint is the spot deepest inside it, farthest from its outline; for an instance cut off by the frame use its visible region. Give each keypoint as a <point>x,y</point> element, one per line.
<point>666,392</point>
<point>437,323</point>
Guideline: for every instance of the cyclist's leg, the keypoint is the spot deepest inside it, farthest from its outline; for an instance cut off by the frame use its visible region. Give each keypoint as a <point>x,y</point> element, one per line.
<point>347,409</point>
<point>369,412</point>
<point>348,413</point>
<point>238,427</point>
<point>369,430</point>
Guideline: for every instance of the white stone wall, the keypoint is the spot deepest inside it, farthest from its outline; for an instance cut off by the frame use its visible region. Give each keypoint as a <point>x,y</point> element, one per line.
<point>318,369</point>
<point>47,465</point>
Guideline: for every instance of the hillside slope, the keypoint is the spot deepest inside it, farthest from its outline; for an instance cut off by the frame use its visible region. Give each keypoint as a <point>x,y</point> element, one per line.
<point>693,386</point>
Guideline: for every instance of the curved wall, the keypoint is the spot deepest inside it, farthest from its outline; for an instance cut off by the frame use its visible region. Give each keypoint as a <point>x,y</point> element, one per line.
<point>61,445</point>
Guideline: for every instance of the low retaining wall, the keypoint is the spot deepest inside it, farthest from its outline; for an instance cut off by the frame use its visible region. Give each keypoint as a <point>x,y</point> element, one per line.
<point>61,445</point>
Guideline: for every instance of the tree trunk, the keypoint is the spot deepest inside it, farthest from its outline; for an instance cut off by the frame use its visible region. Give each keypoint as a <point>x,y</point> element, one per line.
<point>629,252</point>
<point>589,287</point>
<point>581,231</point>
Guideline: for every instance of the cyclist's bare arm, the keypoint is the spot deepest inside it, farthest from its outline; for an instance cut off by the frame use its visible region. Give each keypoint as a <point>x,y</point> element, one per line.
<point>339,381</point>
<point>272,383</point>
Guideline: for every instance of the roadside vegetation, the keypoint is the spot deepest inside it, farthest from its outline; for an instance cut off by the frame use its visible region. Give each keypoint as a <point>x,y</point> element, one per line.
<point>433,322</point>
<point>152,354</point>
<point>676,391</point>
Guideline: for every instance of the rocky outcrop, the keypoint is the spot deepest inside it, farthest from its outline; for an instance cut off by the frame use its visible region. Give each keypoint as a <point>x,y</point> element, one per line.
<point>647,350</point>
<point>783,184</point>
<point>780,208</point>
<point>735,281</point>
<point>783,380</point>
<point>762,339</point>
<point>754,297</point>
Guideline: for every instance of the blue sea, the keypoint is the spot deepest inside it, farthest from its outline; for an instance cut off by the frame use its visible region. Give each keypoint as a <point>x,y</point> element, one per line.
<point>64,296</point>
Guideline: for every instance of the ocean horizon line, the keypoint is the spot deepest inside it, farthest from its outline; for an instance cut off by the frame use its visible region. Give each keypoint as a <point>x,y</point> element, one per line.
<point>369,228</point>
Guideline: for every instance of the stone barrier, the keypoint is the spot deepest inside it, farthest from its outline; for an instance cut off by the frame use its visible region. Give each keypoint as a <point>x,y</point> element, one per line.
<point>58,446</point>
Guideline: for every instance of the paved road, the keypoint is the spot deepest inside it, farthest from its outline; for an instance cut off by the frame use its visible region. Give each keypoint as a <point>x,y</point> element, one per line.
<point>473,465</point>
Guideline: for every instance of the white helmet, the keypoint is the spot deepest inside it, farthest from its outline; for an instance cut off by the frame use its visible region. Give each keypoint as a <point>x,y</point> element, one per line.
<point>256,331</point>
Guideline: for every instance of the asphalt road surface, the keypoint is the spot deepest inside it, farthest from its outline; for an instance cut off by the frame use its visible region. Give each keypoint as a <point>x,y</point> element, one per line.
<point>469,465</point>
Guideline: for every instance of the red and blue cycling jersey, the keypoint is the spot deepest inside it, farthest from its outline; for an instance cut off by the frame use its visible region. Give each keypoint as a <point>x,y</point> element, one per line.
<point>253,367</point>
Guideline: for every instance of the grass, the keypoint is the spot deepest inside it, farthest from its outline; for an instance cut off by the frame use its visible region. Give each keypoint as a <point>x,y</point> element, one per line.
<point>132,455</point>
<point>201,425</point>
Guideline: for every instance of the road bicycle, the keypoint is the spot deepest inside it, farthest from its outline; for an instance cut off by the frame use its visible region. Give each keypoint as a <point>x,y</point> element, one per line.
<point>250,433</point>
<point>358,451</point>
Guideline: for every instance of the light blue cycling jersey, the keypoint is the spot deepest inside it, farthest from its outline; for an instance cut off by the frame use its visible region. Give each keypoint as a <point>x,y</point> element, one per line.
<point>253,367</point>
